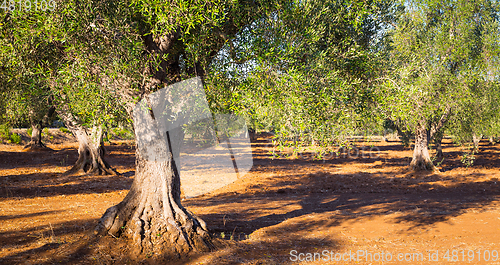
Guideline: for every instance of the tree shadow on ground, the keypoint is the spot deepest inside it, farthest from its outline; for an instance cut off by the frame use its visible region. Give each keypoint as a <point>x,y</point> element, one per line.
<point>71,242</point>
<point>338,200</point>
<point>122,154</point>
<point>42,244</point>
<point>24,182</point>
<point>50,184</point>
<point>421,200</point>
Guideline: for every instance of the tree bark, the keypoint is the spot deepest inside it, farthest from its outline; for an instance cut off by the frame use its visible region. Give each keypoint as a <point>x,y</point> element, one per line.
<point>438,139</point>
<point>151,215</point>
<point>91,153</point>
<point>439,147</point>
<point>491,140</point>
<point>91,150</point>
<point>37,124</point>
<point>475,141</point>
<point>36,137</point>
<point>421,158</point>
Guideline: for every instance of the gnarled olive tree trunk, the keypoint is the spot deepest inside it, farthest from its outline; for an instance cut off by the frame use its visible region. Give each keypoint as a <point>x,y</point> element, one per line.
<point>475,141</point>
<point>421,158</point>
<point>91,150</point>
<point>491,140</point>
<point>36,136</point>
<point>438,144</point>
<point>91,153</point>
<point>151,215</point>
<point>37,123</point>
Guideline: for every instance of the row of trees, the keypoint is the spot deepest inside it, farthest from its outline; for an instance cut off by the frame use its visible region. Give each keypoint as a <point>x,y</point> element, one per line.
<point>314,71</point>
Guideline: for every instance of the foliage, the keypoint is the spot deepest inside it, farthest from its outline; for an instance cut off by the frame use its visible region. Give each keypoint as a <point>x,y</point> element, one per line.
<point>64,130</point>
<point>122,133</point>
<point>42,69</point>
<point>4,131</point>
<point>443,62</point>
<point>304,71</point>
<point>468,159</point>
<point>479,114</point>
<point>8,136</point>
<point>15,138</point>
<point>24,55</point>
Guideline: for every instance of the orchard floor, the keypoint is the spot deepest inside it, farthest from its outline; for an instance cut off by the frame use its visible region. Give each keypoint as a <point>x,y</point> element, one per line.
<point>371,207</point>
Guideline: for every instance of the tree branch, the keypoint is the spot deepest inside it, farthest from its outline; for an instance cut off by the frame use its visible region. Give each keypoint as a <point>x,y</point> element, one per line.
<point>232,51</point>
<point>437,126</point>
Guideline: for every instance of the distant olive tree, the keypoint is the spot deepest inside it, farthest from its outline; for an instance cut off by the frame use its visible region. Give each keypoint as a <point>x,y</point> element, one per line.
<point>441,56</point>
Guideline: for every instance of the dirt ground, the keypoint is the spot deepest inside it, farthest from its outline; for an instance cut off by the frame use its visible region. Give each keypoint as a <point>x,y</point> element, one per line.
<point>367,209</point>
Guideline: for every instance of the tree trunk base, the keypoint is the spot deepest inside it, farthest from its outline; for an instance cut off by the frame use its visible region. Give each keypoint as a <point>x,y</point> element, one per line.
<point>439,154</point>
<point>150,233</point>
<point>93,168</point>
<point>153,219</point>
<point>422,165</point>
<point>421,159</point>
<point>91,164</point>
<point>35,147</point>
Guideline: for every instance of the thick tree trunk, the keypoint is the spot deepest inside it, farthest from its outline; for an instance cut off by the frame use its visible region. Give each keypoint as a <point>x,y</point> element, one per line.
<point>90,148</point>
<point>36,137</point>
<point>151,215</point>
<point>421,158</point>
<point>91,153</point>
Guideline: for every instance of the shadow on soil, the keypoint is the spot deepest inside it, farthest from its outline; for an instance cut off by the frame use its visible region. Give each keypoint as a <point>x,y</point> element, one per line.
<point>52,184</point>
<point>49,184</point>
<point>124,154</point>
<point>422,200</point>
<point>48,239</point>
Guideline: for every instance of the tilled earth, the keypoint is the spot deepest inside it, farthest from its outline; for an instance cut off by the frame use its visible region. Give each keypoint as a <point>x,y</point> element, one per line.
<point>367,209</point>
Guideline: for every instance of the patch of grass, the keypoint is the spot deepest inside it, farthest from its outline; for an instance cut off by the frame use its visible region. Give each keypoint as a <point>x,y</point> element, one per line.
<point>46,134</point>
<point>64,130</point>
<point>9,137</point>
<point>468,159</point>
<point>122,133</point>
<point>4,131</point>
<point>15,138</point>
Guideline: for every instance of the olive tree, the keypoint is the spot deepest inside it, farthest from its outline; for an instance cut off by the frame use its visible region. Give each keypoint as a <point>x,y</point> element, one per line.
<point>128,50</point>
<point>440,53</point>
<point>306,72</point>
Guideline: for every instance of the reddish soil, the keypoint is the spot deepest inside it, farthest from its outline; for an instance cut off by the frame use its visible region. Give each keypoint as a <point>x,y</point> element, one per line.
<point>281,208</point>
